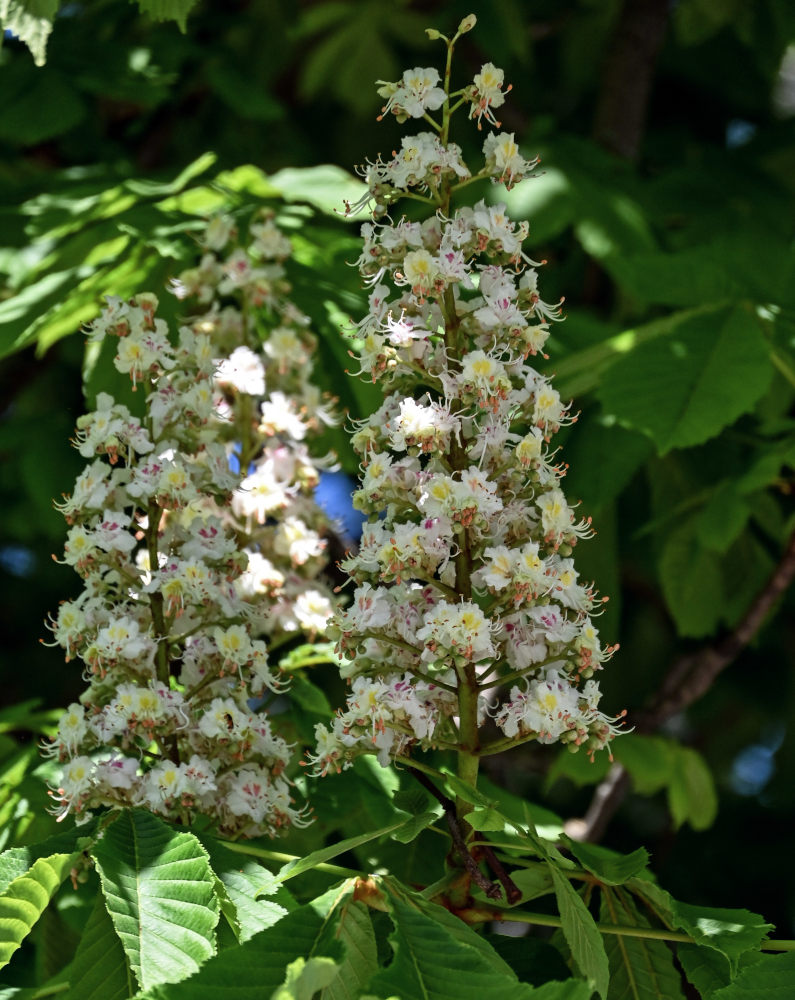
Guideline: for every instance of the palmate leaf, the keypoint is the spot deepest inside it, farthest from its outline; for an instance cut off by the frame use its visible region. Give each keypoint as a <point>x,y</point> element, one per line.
<point>304,978</point>
<point>100,970</point>
<point>685,388</point>
<point>640,968</point>
<point>252,971</point>
<point>25,899</point>
<point>168,10</point>
<point>242,880</point>
<point>582,935</point>
<point>159,891</point>
<point>17,860</point>
<point>293,868</point>
<point>609,866</point>
<point>731,932</point>
<point>438,957</point>
<point>354,928</point>
<point>770,978</point>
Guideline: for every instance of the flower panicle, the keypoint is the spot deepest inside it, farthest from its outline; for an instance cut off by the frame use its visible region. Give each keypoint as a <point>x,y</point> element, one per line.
<point>195,531</point>
<point>466,590</point>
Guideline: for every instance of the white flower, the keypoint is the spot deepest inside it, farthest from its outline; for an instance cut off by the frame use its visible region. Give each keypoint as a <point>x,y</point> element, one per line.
<point>243,371</point>
<point>487,93</point>
<point>416,93</point>
<point>504,159</point>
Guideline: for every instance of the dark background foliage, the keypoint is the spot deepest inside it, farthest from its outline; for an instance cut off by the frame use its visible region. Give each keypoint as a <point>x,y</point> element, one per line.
<point>665,211</point>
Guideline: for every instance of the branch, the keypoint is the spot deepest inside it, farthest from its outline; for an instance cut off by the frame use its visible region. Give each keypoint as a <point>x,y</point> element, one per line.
<point>627,77</point>
<point>512,892</point>
<point>689,679</point>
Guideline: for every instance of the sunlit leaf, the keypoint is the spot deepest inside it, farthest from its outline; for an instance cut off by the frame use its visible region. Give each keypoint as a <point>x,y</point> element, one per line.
<point>23,901</point>
<point>158,887</point>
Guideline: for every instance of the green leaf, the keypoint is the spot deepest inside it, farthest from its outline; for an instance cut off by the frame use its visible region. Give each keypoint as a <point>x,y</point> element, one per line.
<point>168,10</point>
<point>534,961</point>
<point>158,886</point>
<point>685,388</point>
<point>46,107</point>
<point>253,970</point>
<point>722,519</point>
<point>648,759</point>
<point>325,186</point>
<point>640,968</point>
<point>17,860</point>
<point>533,882</point>
<point>692,582</point>
<point>578,768</point>
<point>485,819</point>
<point>770,978</point>
<point>609,866</point>
<point>685,278</point>
<point>602,458</point>
<point>305,977</point>
<point>414,826</point>
<point>691,794</point>
<point>582,935</point>
<point>31,21</point>
<point>293,868</point>
<point>354,928</point>
<point>433,962</point>
<point>582,371</point>
<point>706,969</point>
<point>25,899</point>
<point>100,970</point>
<point>697,20</point>
<point>452,924</point>
<point>242,881</point>
<point>571,989</point>
<point>730,932</point>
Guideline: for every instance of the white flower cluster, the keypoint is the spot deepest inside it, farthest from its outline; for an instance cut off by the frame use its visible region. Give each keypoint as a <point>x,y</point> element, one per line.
<point>464,577</point>
<point>194,531</point>
<point>267,410</point>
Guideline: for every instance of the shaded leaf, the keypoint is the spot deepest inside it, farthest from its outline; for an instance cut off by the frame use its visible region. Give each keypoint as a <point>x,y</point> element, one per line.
<point>730,932</point>
<point>691,794</point>
<point>722,519</point>
<point>159,891</point>
<point>253,970</point>
<point>582,371</point>
<point>533,882</point>
<point>609,866</point>
<point>433,963</point>
<point>354,929</point>
<point>293,868</point>
<point>770,978</point>
<point>685,388</point>
<point>534,961</point>
<point>706,969</point>
<point>640,968</point>
<point>100,970</point>
<point>582,935</point>
<point>414,827</point>
<point>168,10</point>
<point>242,881</point>
<point>648,759</point>
<point>692,582</point>
<point>305,977</point>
